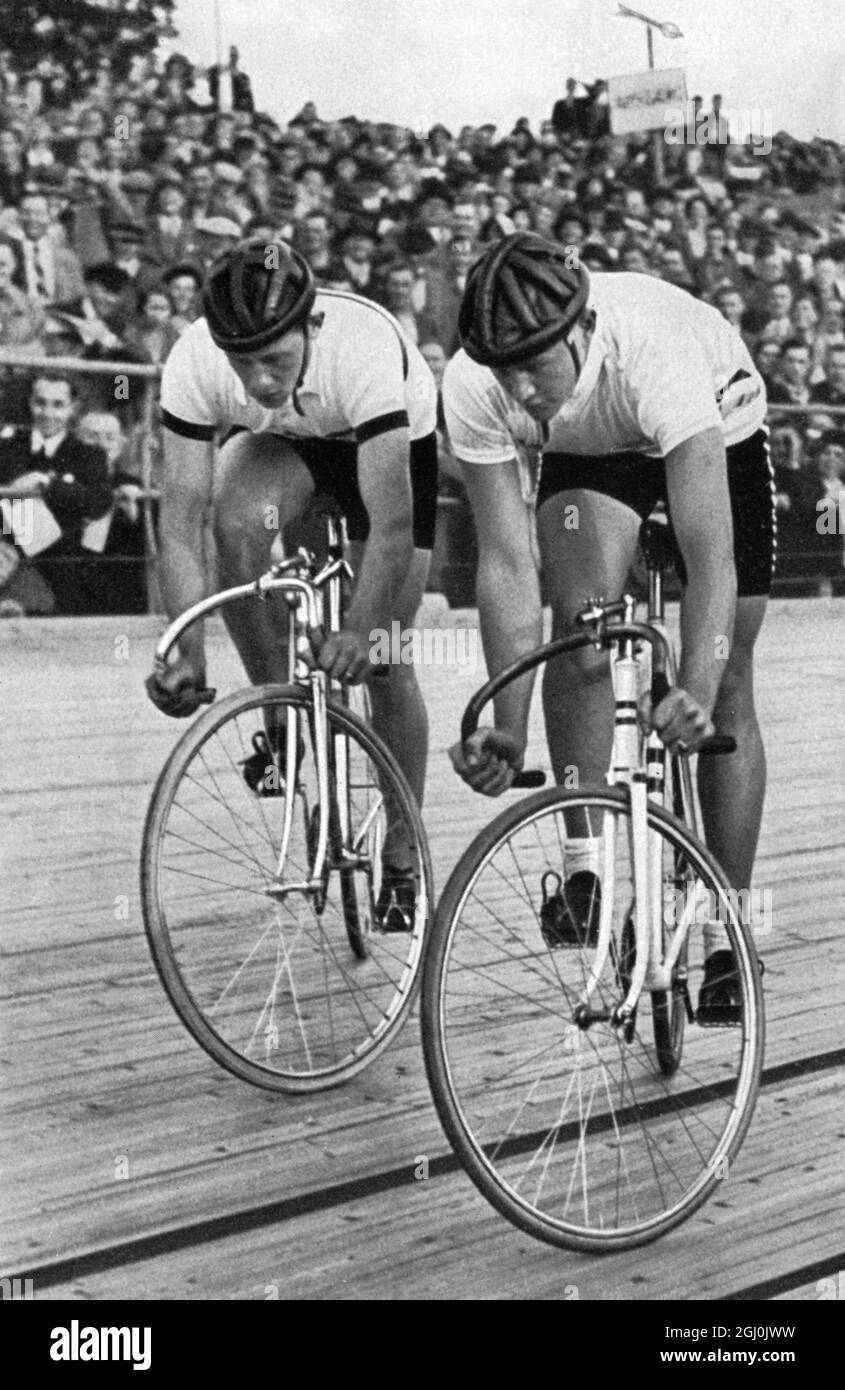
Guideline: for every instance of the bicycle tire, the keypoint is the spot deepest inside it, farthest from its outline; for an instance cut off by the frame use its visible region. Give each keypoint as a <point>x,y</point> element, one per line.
<point>353,698</point>
<point>317,1039</point>
<point>669,1007</point>
<point>481,1036</point>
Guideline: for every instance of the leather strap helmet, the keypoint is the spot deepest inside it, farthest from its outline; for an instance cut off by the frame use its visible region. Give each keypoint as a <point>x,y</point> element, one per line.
<point>522,296</point>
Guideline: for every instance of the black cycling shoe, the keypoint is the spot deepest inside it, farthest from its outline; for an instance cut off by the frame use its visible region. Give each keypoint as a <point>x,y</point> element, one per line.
<point>569,915</point>
<point>396,907</point>
<point>720,997</point>
<point>264,770</point>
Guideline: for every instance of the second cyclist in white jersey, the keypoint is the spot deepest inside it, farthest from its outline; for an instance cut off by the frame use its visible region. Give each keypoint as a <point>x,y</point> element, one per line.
<point>301,389</point>
<point>632,391</point>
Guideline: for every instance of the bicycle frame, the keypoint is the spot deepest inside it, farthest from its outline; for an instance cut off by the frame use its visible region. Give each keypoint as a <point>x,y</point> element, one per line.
<point>308,595</point>
<point>608,626</point>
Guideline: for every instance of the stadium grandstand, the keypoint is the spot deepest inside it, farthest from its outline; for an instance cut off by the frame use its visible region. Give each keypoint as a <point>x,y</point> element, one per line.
<point>124,175</point>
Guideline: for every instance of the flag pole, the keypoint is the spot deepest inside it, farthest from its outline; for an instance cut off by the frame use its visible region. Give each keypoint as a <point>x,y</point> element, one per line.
<point>218,35</point>
<point>656,141</point>
<point>224,73</point>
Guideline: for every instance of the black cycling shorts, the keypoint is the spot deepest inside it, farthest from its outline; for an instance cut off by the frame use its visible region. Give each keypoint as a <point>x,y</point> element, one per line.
<point>332,464</point>
<point>640,482</point>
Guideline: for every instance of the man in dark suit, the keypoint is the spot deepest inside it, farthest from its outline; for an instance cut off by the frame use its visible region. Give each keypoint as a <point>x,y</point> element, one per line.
<point>50,272</point>
<point>570,115</point>
<point>73,481</point>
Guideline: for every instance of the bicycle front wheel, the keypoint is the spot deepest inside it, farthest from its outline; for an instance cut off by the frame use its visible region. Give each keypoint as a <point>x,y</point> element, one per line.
<point>570,1126</point>
<point>261,972</point>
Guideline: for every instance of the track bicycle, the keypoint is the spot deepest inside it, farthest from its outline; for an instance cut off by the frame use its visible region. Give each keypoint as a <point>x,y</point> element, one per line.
<point>575,1082</point>
<point>265,853</point>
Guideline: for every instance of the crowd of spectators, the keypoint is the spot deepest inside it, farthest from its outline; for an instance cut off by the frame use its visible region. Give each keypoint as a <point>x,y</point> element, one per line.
<point>121,181</point>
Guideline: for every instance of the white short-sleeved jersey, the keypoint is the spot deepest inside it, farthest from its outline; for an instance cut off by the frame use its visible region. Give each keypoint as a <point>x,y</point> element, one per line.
<point>661,367</point>
<point>364,377</point>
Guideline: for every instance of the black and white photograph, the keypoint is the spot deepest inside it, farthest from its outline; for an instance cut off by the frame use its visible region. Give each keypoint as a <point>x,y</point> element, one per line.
<point>422,601</point>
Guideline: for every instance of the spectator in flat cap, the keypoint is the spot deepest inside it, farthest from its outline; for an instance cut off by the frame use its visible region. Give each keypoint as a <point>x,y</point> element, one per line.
<point>214,237</point>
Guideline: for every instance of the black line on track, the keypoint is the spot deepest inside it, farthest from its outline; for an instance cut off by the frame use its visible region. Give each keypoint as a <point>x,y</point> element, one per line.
<point>785,1283</point>
<point>197,1233</point>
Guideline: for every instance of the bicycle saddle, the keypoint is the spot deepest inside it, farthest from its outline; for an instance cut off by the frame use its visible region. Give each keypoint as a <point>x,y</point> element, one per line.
<point>659,547</point>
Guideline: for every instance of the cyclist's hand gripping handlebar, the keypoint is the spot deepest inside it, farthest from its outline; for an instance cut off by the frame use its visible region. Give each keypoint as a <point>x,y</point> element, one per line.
<point>660,688</point>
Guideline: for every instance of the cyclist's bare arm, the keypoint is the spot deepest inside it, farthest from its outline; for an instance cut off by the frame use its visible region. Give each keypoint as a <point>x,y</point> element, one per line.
<point>507,592</point>
<point>185,495</point>
<point>697,486</point>
<point>384,477</point>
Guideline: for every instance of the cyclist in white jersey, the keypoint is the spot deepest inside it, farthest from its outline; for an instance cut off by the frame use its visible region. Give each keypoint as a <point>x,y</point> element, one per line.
<point>632,391</point>
<point>304,389</point>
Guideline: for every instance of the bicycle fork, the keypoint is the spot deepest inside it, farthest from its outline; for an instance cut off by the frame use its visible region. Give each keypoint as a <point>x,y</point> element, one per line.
<point>303,614</point>
<point>652,968</point>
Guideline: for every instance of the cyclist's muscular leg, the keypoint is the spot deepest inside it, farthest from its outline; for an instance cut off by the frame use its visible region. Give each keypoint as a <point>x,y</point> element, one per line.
<point>399,713</point>
<point>261,486</point>
<point>587,544</point>
<point>731,788</point>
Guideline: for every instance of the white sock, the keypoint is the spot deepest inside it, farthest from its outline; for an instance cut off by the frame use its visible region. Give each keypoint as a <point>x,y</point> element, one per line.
<point>714,934</point>
<point>583,854</point>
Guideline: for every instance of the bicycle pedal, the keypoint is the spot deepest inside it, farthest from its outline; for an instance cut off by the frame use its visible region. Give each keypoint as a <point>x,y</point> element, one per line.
<point>395,911</point>
<point>713,1019</point>
<point>569,916</point>
<point>264,770</point>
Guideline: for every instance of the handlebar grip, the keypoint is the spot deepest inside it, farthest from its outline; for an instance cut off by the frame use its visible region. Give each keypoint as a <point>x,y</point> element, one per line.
<point>207,696</point>
<point>660,688</point>
<point>532,778</point>
<point>717,743</point>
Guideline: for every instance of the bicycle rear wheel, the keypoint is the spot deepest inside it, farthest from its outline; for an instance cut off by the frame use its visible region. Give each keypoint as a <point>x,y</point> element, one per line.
<point>262,975</point>
<point>575,1133</point>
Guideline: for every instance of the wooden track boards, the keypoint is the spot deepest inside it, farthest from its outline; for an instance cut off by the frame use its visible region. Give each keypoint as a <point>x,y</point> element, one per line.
<point>99,1079</point>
